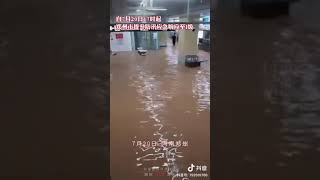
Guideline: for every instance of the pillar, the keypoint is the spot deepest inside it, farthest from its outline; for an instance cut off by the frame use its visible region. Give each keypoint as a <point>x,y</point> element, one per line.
<point>188,40</point>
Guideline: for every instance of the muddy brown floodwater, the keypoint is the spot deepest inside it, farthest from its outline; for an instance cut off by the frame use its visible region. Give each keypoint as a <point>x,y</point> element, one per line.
<point>155,98</point>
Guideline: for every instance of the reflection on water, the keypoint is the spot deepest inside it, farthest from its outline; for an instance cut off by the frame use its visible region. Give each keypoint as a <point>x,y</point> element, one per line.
<point>201,89</point>
<point>171,99</point>
<point>153,100</point>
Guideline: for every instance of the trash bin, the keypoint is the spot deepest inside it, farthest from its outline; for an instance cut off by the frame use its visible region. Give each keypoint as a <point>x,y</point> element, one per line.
<point>192,61</point>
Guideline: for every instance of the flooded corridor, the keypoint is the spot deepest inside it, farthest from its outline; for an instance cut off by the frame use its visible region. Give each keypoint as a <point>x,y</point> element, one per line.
<point>156,99</point>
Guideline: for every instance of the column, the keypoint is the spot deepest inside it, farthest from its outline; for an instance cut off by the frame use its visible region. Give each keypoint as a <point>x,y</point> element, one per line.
<point>188,40</point>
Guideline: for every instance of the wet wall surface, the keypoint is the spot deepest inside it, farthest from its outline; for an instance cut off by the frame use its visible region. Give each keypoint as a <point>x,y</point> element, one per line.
<point>267,95</point>
<point>155,98</point>
<point>53,75</point>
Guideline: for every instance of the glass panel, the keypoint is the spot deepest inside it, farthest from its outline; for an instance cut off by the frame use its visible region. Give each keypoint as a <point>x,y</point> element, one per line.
<point>146,40</point>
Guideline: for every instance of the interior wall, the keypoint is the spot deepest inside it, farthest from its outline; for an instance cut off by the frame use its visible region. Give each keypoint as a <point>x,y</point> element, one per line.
<point>121,44</point>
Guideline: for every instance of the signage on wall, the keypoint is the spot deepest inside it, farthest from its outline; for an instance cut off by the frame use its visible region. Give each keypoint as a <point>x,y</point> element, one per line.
<point>205,27</point>
<point>119,36</point>
<point>206,19</point>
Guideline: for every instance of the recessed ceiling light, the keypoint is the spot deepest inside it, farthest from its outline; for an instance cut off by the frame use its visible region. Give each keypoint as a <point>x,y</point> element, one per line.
<point>156,9</point>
